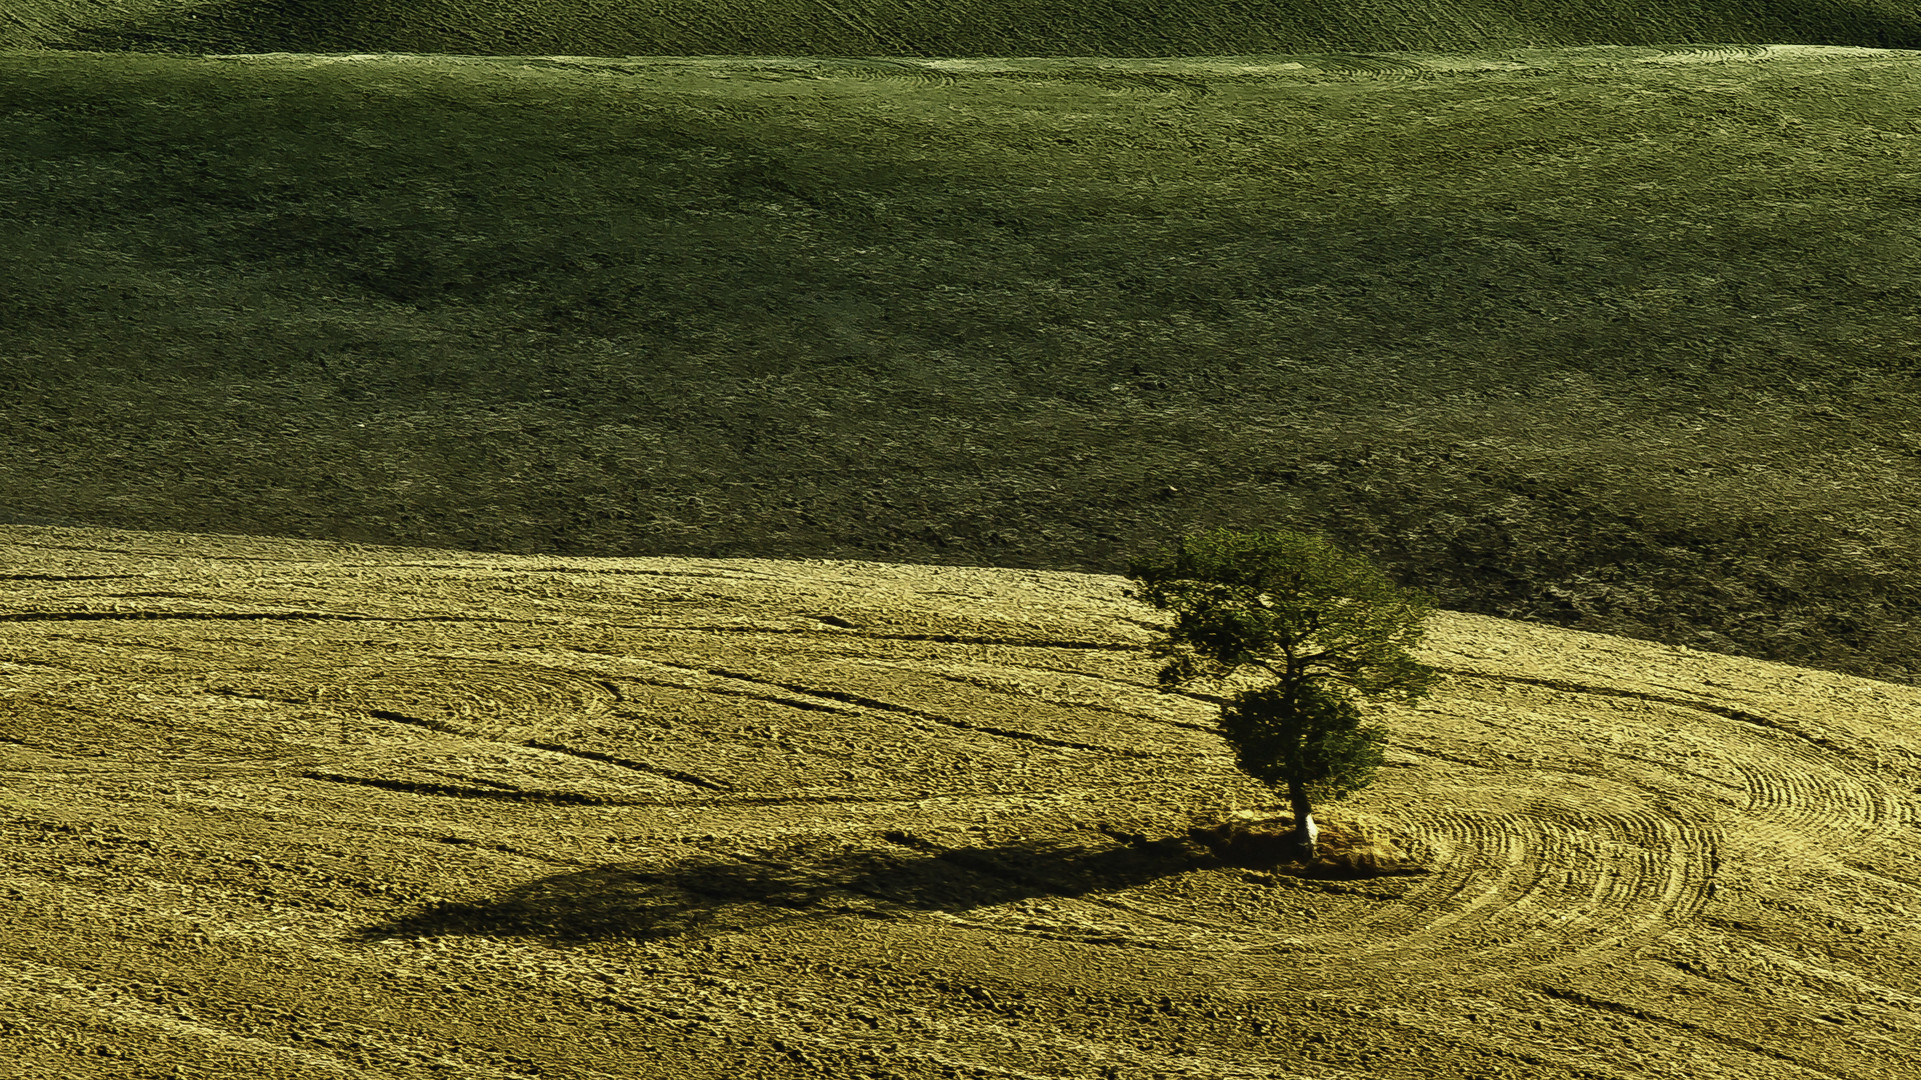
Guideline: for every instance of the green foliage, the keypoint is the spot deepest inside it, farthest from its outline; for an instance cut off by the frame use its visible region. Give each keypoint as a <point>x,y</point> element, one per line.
<point>1287,603</point>
<point>1319,737</point>
<point>1325,625</point>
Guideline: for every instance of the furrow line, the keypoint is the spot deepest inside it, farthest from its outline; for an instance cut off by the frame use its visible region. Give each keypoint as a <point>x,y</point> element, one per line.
<point>1361,66</point>
<point>445,728</point>
<point>1711,54</point>
<point>1699,1030</point>
<point>1728,712</point>
<point>901,710</point>
<point>776,699</point>
<point>629,763</point>
<point>1569,877</point>
<point>879,69</point>
<point>68,577</point>
<point>1796,800</point>
<point>1088,706</point>
<point>502,793</point>
<point>854,634</point>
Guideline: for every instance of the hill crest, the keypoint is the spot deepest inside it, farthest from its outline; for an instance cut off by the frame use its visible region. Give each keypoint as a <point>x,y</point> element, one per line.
<point>898,28</point>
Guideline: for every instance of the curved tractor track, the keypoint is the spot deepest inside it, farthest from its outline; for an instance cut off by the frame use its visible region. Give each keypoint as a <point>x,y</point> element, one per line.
<point>1186,80</point>
<point>811,818</point>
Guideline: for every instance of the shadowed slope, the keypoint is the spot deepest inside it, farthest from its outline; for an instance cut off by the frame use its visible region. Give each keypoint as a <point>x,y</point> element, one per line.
<point>1613,337</point>
<point>906,28</point>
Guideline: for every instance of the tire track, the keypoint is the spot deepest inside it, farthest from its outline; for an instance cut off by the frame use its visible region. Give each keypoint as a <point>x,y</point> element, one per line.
<point>1563,857</point>
<point>888,707</point>
<point>480,699</point>
<point>149,737</point>
<point>217,616</point>
<point>879,70</point>
<point>1553,882</point>
<point>1578,856</point>
<point>591,701</point>
<point>1805,795</point>
<point>847,631</point>
<point>1567,825</point>
<point>630,764</point>
<point>1801,809</point>
<point>1140,83</point>
<point>1369,68</point>
<point>530,707</point>
<point>492,790</point>
<point>1891,1000</point>
<point>624,763</point>
<point>108,1006</point>
<point>69,577</point>
<point>1711,54</point>
<point>1002,686</point>
<point>1693,1030</point>
<point>1693,704</point>
<point>1484,864</point>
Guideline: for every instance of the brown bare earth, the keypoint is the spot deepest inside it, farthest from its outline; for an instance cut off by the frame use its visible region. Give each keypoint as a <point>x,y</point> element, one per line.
<point>295,809</point>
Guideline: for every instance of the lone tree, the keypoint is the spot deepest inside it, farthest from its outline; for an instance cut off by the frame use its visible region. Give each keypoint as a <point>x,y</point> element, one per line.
<point>1322,626</point>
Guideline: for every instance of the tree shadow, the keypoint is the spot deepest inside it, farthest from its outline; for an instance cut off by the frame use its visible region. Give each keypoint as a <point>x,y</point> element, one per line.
<point>721,893</point>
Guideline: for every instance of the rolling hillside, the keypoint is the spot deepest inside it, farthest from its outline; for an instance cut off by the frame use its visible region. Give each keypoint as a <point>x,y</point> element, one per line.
<point>1616,338</point>
<point>1000,28</point>
<point>725,345</point>
<point>283,809</point>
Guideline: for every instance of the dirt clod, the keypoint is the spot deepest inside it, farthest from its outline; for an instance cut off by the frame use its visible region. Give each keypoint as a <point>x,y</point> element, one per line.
<point>1344,849</point>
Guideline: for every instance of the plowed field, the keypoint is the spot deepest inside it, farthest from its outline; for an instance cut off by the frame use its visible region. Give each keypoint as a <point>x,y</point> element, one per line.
<point>290,809</point>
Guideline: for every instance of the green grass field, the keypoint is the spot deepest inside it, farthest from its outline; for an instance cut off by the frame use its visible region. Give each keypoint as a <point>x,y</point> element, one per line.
<point>1588,337</point>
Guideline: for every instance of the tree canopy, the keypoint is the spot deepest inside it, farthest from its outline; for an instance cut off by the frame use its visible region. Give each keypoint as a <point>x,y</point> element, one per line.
<point>1322,626</point>
<point>1287,603</point>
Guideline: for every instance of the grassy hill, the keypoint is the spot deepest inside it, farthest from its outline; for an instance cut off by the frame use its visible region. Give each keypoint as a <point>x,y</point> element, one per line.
<point>1618,338</point>
<point>1117,28</point>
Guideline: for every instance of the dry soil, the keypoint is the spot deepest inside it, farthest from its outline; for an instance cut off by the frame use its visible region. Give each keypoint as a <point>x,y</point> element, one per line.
<point>294,809</point>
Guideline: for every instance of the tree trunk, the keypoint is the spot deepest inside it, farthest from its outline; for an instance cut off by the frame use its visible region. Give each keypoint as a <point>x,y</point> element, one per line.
<point>1305,831</point>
